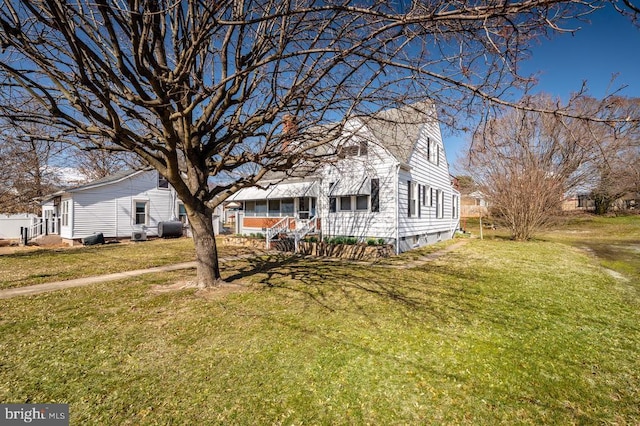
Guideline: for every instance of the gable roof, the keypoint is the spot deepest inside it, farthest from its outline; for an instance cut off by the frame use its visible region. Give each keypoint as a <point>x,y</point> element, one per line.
<point>107,180</point>
<point>398,129</point>
<point>116,177</point>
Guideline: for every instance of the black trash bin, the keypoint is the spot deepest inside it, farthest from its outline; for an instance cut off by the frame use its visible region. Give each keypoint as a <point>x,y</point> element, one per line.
<point>170,229</point>
<point>93,239</point>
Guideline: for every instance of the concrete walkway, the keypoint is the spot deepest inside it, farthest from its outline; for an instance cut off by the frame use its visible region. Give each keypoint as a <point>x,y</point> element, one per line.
<point>81,282</point>
<point>85,281</point>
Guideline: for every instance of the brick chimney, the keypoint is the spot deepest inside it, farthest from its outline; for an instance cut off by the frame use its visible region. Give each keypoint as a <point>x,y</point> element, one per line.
<point>289,129</point>
<point>289,124</point>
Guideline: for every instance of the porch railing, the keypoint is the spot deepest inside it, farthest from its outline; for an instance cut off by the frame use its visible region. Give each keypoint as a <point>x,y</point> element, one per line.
<point>310,225</point>
<point>281,226</point>
<point>39,228</point>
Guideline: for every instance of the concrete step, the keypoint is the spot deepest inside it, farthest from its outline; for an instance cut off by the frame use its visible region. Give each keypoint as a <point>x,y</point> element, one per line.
<point>48,240</point>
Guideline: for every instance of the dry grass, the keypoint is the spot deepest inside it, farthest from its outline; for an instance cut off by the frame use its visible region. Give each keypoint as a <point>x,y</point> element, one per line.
<point>495,332</point>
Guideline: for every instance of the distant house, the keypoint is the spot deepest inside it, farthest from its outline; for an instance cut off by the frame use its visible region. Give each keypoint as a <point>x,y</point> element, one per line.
<point>117,206</point>
<point>10,224</point>
<point>578,202</point>
<point>391,181</point>
<point>473,204</point>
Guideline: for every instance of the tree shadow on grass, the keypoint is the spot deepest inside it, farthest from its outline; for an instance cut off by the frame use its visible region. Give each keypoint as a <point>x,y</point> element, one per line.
<point>341,285</point>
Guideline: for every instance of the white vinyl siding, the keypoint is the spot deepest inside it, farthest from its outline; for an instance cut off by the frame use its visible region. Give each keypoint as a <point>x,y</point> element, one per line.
<point>110,209</point>
<point>434,219</point>
<point>372,212</point>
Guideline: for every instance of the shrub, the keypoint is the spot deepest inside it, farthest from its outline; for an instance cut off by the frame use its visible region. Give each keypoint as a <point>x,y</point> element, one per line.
<point>372,242</point>
<point>381,241</point>
<point>351,241</point>
<point>334,240</point>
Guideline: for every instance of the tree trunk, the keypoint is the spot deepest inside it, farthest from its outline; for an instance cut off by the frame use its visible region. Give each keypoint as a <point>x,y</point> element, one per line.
<point>601,204</point>
<point>208,268</point>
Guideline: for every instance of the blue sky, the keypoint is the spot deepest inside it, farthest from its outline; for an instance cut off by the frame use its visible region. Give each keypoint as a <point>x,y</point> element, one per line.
<point>609,45</point>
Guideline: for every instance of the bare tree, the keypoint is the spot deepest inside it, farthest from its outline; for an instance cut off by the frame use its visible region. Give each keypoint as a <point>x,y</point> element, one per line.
<point>613,173</point>
<point>99,163</point>
<point>525,162</point>
<point>199,89</point>
<point>25,176</point>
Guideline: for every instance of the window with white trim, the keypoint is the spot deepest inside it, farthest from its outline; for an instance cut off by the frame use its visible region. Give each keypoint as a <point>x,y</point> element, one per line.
<point>274,208</point>
<point>362,202</point>
<point>454,206</point>
<point>439,203</point>
<point>412,188</point>
<point>286,207</point>
<point>64,212</point>
<point>345,203</point>
<point>141,212</point>
<point>354,149</point>
<point>182,213</point>
<point>163,183</point>
<point>433,151</point>
<point>425,196</point>
<point>348,203</point>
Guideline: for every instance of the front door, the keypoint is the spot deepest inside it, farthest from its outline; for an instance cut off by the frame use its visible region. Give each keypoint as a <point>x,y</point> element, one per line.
<point>50,220</point>
<point>306,207</point>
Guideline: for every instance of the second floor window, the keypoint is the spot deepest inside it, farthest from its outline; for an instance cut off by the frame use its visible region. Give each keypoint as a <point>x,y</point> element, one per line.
<point>162,182</point>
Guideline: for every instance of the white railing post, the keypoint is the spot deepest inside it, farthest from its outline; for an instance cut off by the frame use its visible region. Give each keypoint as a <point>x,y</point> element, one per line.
<point>280,226</point>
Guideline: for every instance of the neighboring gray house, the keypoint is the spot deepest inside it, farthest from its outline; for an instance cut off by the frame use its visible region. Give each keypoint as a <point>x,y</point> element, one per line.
<point>391,181</point>
<point>128,204</point>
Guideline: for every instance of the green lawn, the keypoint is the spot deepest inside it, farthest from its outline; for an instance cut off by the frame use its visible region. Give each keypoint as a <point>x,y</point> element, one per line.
<point>58,264</point>
<point>495,332</point>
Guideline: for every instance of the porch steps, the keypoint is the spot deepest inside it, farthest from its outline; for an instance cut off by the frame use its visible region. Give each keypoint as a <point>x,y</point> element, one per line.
<point>48,240</point>
<point>283,228</point>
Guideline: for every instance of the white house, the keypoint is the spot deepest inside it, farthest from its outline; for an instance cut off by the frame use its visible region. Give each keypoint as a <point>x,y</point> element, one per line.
<point>391,181</point>
<point>10,224</point>
<point>126,204</point>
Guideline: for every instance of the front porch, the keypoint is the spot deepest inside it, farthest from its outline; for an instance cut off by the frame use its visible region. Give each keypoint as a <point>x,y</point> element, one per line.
<point>290,229</point>
<point>40,228</point>
<point>278,211</point>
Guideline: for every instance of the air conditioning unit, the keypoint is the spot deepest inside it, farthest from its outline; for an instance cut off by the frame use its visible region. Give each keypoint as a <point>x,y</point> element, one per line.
<point>138,236</point>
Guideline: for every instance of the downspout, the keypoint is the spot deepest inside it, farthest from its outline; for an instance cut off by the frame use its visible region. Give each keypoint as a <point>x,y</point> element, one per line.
<point>397,195</point>
<point>320,210</point>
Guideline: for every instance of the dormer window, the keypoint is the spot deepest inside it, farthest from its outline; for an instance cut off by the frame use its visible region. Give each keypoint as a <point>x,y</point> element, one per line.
<point>162,182</point>
<point>351,149</point>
